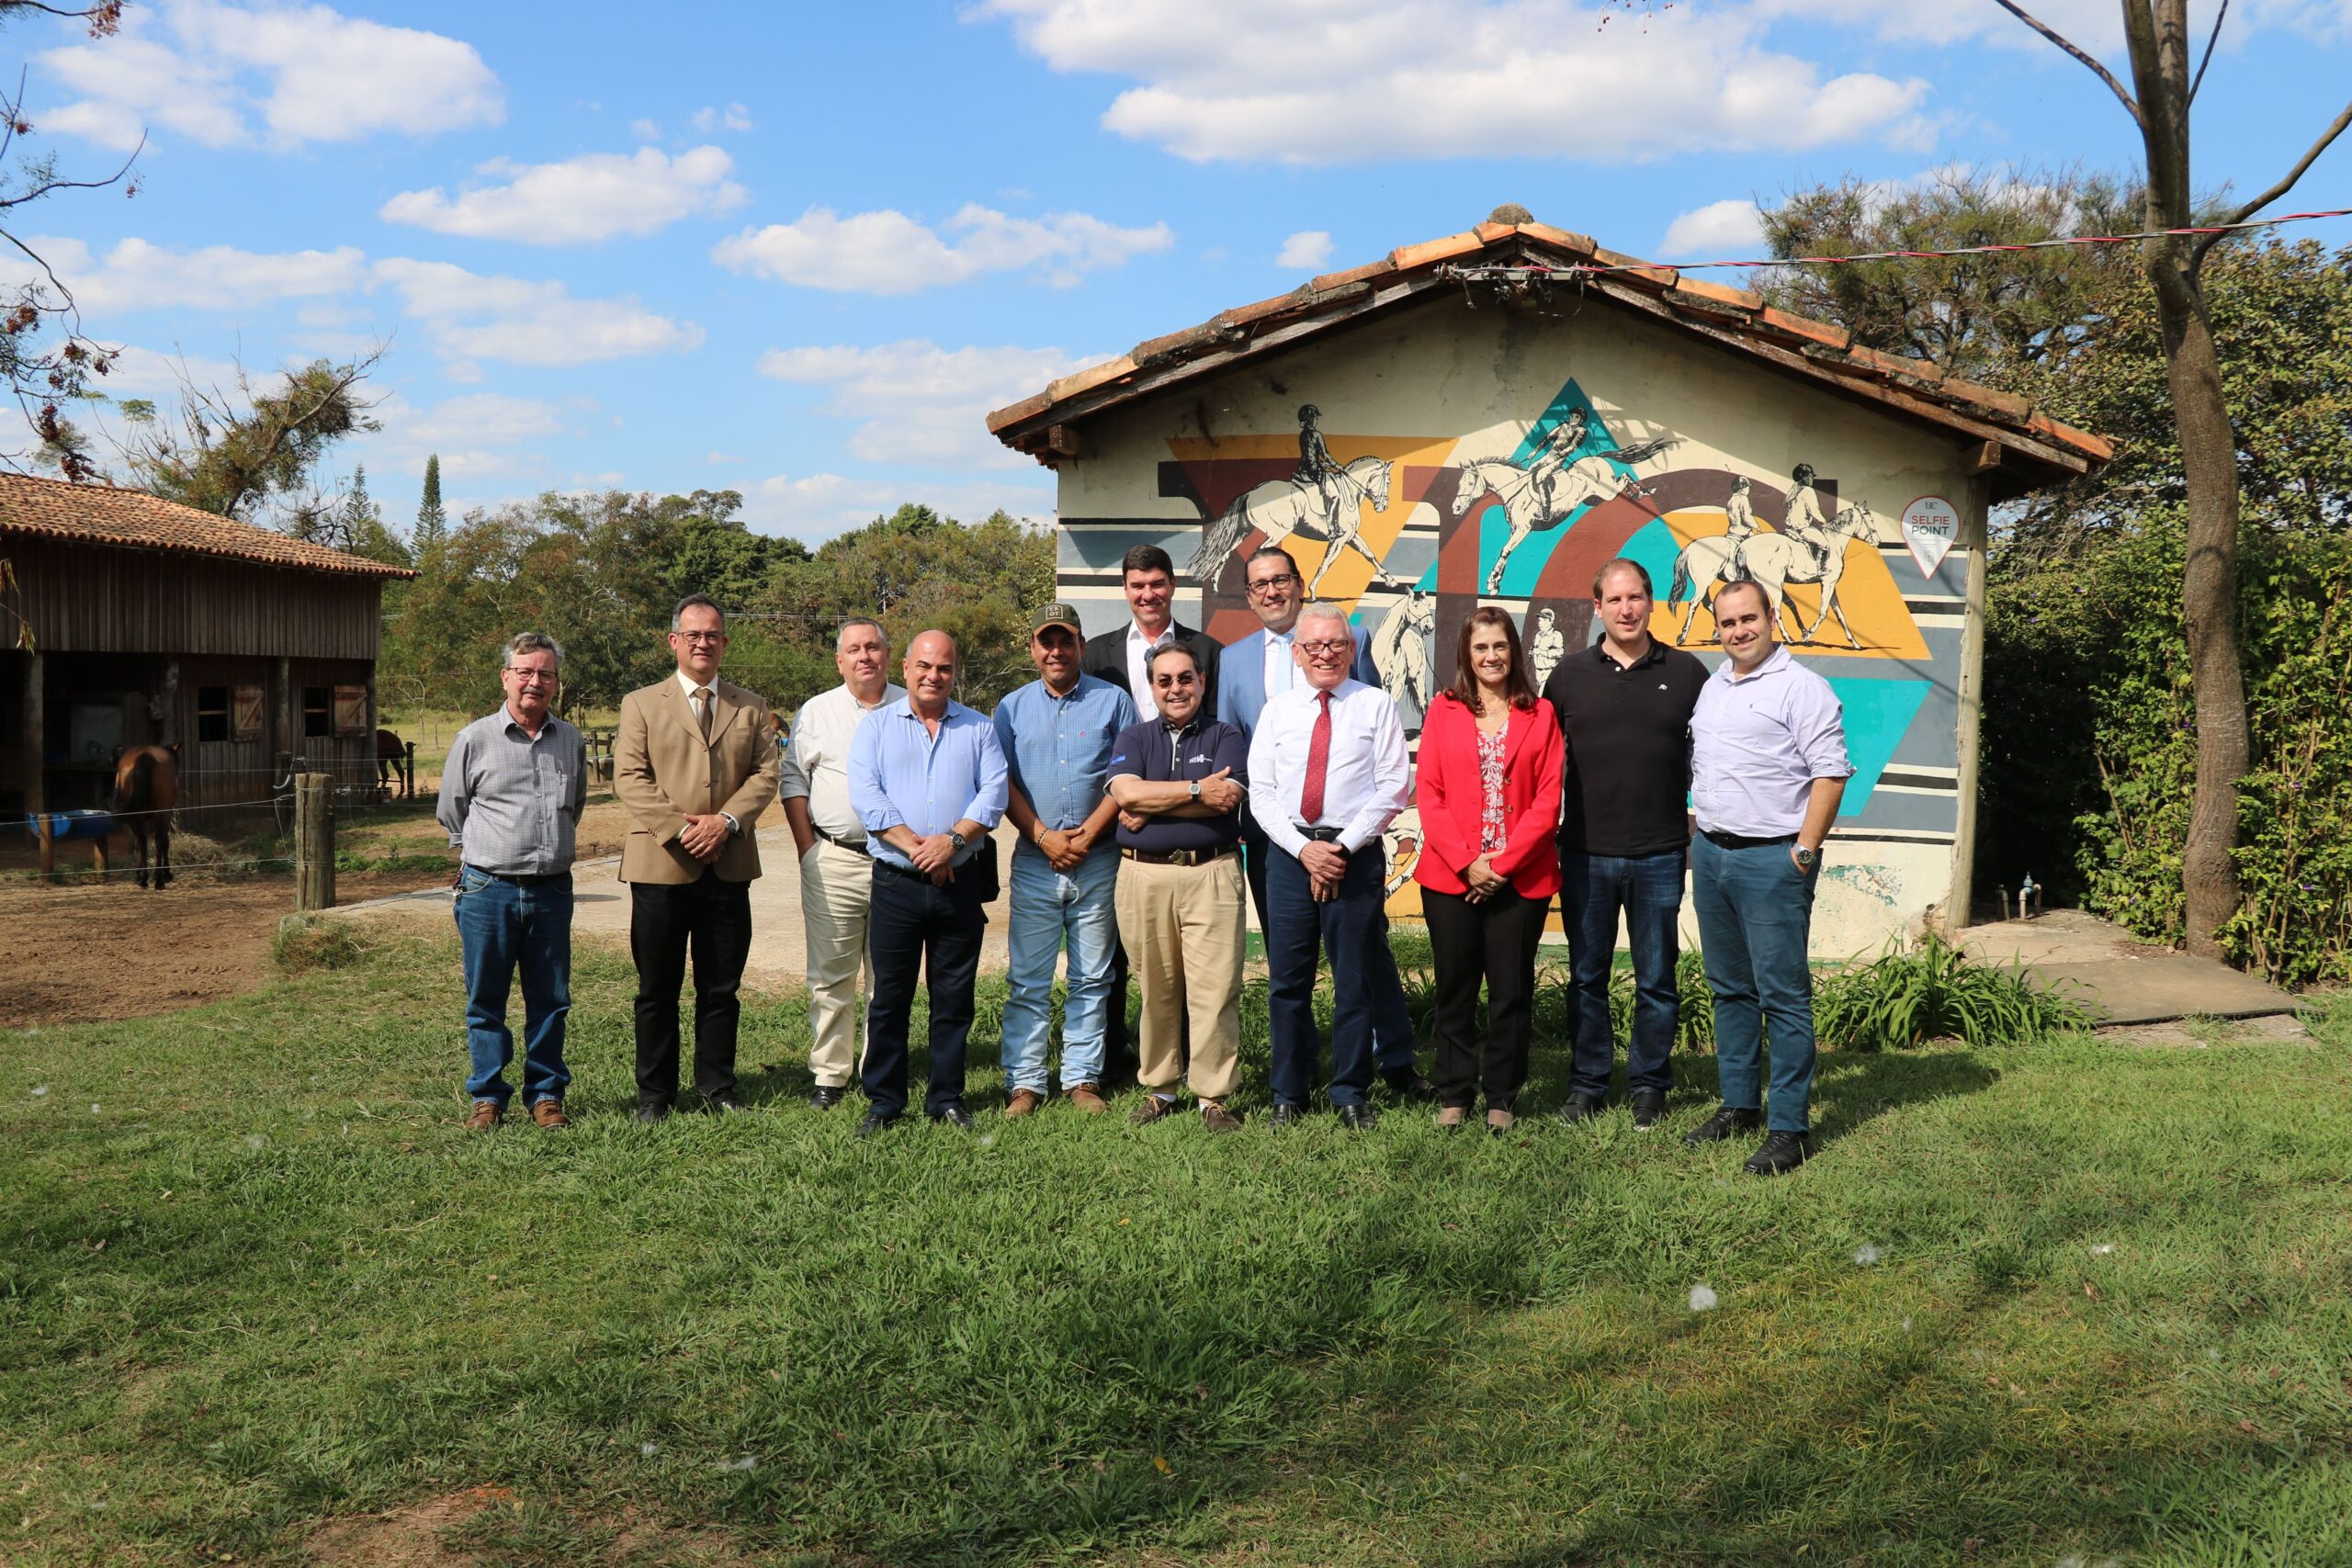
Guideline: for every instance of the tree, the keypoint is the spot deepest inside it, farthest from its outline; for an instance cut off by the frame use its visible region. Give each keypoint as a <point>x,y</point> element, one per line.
<point>432,523</point>
<point>352,523</point>
<point>45,357</point>
<point>235,460</point>
<point>2157,37</point>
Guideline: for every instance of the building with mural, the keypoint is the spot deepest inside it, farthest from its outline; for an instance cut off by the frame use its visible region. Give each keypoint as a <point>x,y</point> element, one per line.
<point>1487,417</point>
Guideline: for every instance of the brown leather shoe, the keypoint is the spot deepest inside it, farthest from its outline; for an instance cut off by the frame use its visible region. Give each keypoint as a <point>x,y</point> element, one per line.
<point>549,1113</point>
<point>1022,1103</point>
<point>1087,1098</point>
<point>1217,1119</point>
<point>487,1115</point>
<point>1152,1109</point>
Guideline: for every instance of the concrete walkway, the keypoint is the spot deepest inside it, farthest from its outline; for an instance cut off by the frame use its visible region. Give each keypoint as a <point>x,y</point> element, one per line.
<point>2129,981</point>
<point>779,948</point>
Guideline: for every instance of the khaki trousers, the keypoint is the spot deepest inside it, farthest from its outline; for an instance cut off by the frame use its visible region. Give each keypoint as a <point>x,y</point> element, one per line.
<point>1183,927</point>
<point>836,887</point>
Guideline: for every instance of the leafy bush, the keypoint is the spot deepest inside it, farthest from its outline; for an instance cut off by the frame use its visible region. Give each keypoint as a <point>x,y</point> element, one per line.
<point>1912,993</point>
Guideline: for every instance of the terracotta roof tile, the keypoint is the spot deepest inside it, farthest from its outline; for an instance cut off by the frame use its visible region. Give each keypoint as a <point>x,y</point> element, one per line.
<point>1879,364</point>
<point>1637,270</point>
<point>1422,254</point>
<point>1560,239</point>
<point>130,519</point>
<point>2008,405</point>
<point>1242,315</point>
<point>1174,344</point>
<point>1330,280</point>
<point>1091,377</point>
<point>1807,328</point>
<point>2067,435</point>
<point>1013,414</point>
<point>1740,299</point>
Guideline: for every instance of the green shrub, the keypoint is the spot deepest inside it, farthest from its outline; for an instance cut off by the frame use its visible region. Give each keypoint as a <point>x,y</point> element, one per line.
<point>1912,993</point>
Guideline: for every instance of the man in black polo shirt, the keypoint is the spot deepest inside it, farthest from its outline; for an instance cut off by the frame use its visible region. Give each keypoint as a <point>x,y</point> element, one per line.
<point>1180,785</point>
<point>1624,709</point>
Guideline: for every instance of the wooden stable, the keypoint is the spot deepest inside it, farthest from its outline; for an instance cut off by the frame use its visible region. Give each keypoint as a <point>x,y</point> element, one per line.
<point>155,622</point>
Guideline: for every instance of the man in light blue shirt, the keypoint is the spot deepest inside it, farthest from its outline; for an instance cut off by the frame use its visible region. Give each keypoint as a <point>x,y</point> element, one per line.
<point>1056,734</point>
<point>927,778</point>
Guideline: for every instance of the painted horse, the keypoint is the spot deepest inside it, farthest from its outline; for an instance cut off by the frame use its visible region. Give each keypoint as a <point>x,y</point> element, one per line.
<point>1773,561</point>
<point>1532,508</point>
<point>392,762</point>
<point>1288,506</point>
<point>146,788</point>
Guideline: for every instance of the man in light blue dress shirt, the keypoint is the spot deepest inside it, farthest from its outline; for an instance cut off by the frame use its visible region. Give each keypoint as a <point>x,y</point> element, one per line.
<point>1253,670</point>
<point>1057,734</point>
<point>927,778</point>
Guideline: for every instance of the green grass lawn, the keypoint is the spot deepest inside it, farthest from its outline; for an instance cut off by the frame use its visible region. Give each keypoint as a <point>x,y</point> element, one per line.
<point>2078,1299</point>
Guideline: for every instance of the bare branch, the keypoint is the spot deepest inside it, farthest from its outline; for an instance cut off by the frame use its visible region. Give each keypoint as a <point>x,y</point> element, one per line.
<point>2198,80</point>
<point>2130,107</point>
<point>2335,129</point>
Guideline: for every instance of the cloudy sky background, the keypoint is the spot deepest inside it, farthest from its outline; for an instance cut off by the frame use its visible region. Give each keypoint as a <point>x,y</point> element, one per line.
<point>799,251</point>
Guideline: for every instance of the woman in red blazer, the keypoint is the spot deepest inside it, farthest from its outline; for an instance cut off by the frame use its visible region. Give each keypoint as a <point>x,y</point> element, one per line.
<point>1489,798</point>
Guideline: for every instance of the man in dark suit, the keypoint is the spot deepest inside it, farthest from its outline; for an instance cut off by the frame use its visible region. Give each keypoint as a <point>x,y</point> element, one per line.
<point>1123,657</point>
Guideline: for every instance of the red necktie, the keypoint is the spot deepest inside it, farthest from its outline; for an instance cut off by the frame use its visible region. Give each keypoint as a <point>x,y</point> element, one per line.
<point>1319,762</point>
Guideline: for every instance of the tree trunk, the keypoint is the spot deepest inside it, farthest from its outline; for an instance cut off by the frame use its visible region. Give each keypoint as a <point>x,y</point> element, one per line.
<point>2209,597</point>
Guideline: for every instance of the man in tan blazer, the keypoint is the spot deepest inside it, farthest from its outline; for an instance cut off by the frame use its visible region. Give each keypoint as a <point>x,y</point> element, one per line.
<point>694,764</point>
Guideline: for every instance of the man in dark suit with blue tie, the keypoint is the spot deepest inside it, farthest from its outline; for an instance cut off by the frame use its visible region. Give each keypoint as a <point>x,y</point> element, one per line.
<point>1245,671</point>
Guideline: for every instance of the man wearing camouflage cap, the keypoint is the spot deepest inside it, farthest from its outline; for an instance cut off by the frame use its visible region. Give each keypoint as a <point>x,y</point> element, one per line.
<point>1057,734</point>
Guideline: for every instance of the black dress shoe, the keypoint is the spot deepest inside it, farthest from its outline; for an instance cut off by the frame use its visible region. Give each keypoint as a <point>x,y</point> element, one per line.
<point>1412,1088</point>
<point>1287,1116</point>
<point>1359,1118</point>
<point>1782,1151</point>
<point>1649,1108</point>
<point>651,1111</point>
<point>722,1104</point>
<point>824,1097</point>
<point>1579,1108</point>
<point>874,1122</point>
<point>955,1115</point>
<point>1728,1122</point>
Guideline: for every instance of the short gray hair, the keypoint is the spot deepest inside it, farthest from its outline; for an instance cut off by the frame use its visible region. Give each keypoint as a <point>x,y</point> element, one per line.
<point>855,622</point>
<point>531,642</point>
<point>1325,610</point>
<point>692,601</point>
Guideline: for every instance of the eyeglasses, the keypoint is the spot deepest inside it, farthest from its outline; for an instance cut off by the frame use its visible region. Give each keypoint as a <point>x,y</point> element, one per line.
<point>1326,649</point>
<point>1266,587</point>
<point>1187,678</point>
<point>701,639</point>
<point>534,677</point>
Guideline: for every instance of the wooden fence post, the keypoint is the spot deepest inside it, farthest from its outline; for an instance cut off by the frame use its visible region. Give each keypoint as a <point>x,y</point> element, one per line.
<point>314,840</point>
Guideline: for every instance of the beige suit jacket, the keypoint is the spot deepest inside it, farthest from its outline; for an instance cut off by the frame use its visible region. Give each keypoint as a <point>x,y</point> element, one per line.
<point>664,771</point>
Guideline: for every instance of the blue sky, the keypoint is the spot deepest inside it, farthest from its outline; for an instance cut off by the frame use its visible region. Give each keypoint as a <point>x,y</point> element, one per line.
<point>798,251</point>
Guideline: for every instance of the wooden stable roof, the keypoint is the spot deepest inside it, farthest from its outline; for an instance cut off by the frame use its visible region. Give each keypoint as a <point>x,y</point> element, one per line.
<point>130,519</point>
<point>2022,448</point>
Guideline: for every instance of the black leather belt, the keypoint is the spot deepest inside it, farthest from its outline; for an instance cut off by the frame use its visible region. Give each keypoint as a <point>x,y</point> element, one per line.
<point>1319,835</point>
<point>520,880</point>
<point>907,872</point>
<point>1740,841</point>
<point>857,844</point>
<point>1181,857</point>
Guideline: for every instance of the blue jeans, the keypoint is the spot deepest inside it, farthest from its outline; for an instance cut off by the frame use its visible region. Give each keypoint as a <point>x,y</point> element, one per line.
<point>502,927</point>
<point>1648,888</point>
<point>1050,907</point>
<point>1754,912</point>
<point>1353,929</point>
<point>1392,1019</point>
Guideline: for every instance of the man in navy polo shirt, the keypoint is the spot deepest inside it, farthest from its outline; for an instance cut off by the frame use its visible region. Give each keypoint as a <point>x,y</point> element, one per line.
<point>1179,784</point>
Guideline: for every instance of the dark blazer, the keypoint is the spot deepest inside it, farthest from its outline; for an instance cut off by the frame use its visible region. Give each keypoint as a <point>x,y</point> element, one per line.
<point>1105,658</point>
<point>1453,800</point>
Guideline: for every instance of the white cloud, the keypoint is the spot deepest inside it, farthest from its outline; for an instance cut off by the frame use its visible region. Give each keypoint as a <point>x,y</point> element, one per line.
<point>270,73</point>
<point>475,316</point>
<point>734,116</point>
<point>815,507</point>
<point>918,403</point>
<point>592,196</point>
<point>1721,230</point>
<point>1307,248</point>
<point>888,253</point>
<point>1225,79</point>
<point>137,275</point>
<point>722,458</point>
<point>645,129</point>
<point>477,435</point>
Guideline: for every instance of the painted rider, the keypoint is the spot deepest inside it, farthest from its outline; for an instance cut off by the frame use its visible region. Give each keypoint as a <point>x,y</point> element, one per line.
<point>1804,522</point>
<point>1739,514</point>
<point>1316,466</point>
<point>1559,449</point>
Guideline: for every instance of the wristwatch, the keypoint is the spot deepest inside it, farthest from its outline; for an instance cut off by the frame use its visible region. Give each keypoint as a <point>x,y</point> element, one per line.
<point>1196,789</point>
<point>1805,857</point>
<point>958,840</point>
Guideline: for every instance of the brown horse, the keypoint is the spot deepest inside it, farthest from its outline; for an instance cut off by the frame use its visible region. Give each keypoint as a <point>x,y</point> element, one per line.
<point>146,788</point>
<point>392,762</point>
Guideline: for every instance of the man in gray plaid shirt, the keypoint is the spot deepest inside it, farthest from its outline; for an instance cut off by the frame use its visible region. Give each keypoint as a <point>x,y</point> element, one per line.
<point>511,800</point>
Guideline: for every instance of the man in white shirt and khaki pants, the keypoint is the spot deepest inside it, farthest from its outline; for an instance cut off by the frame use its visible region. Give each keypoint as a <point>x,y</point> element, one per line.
<point>836,872</point>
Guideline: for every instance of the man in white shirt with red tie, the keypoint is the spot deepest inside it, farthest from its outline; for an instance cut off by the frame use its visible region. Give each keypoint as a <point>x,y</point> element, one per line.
<point>1329,770</point>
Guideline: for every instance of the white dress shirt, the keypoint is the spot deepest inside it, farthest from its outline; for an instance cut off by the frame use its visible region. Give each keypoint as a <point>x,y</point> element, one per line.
<point>1758,742</point>
<point>1365,778</point>
<point>1282,668</point>
<point>690,686</point>
<point>816,764</point>
<point>1140,651</point>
